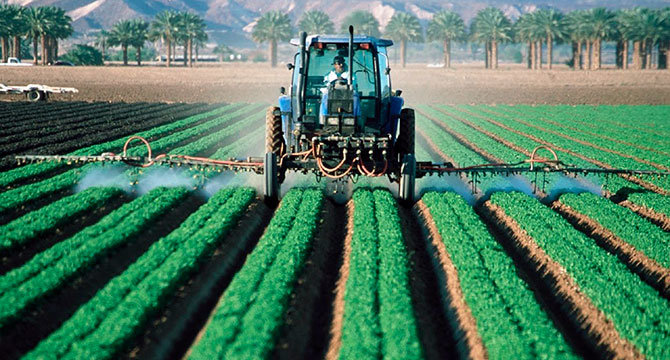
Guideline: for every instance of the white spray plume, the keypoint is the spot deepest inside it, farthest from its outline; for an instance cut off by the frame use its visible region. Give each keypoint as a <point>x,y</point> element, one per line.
<point>453,183</point>
<point>508,184</point>
<point>569,184</point>
<point>162,176</point>
<point>110,176</point>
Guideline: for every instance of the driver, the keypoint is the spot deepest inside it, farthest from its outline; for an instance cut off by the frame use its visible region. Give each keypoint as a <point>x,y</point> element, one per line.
<point>338,71</point>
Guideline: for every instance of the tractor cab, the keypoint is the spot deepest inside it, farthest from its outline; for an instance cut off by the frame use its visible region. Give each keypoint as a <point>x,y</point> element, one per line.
<point>340,119</point>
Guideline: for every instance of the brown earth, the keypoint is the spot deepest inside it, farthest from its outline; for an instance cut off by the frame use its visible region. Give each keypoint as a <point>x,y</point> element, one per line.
<point>512,84</point>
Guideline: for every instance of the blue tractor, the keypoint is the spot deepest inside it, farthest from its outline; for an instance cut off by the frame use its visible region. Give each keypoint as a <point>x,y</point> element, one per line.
<point>340,126</point>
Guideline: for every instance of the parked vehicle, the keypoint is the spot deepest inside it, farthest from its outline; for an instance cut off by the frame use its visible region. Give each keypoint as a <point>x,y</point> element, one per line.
<point>12,61</point>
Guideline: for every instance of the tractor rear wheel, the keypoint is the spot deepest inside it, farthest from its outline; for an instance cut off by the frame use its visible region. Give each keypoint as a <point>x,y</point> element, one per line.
<point>36,95</point>
<point>405,142</point>
<point>274,150</point>
<point>274,134</point>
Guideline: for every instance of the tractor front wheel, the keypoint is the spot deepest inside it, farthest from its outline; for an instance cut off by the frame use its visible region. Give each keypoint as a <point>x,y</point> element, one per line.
<point>36,95</point>
<point>274,150</point>
<point>407,180</point>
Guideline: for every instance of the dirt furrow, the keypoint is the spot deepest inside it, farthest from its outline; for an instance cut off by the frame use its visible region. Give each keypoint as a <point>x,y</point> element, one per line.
<point>591,323</point>
<point>305,332</point>
<point>470,344</point>
<point>652,272</point>
<point>175,327</point>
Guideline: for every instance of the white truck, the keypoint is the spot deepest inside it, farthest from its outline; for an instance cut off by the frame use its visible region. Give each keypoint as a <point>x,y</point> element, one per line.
<point>12,61</point>
<point>36,92</point>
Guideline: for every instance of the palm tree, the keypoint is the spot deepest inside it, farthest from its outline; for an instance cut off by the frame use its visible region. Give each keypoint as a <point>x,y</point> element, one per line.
<point>491,26</point>
<point>123,34</point>
<point>664,47</point>
<point>549,24</point>
<point>12,24</point>
<point>272,26</point>
<point>576,31</point>
<point>164,27</point>
<point>446,26</point>
<point>192,27</point>
<point>526,31</point>
<point>601,26</point>
<point>37,23</point>
<point>140,32</point>
<point>404,27</point>
<point>363,21</point>
<point>102,40</point>
<point>59,27</point>
<point>316,22</point>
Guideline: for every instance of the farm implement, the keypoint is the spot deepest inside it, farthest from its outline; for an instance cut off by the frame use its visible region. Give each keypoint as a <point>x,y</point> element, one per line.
<point>344,125</point>
<point>36,92</point>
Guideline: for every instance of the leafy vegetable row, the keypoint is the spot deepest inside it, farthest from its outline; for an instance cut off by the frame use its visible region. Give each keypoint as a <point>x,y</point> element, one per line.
<point>637,311</point>
<point>53,267</point>
<point>504,307</point>
<point>378,321</point>
<point>250,313</point>
<point>101,327</point>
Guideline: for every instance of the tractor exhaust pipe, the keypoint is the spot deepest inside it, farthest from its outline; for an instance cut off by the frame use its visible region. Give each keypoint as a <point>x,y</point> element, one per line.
<point>351,55</point>
<point>303,74</point>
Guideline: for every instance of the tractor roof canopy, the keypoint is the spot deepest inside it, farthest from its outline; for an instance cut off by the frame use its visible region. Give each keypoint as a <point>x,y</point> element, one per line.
<point>343,39</point>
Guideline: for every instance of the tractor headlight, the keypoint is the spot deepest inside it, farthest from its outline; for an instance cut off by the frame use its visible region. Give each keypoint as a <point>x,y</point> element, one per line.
<point>349,121</point>
<point>334,121</point>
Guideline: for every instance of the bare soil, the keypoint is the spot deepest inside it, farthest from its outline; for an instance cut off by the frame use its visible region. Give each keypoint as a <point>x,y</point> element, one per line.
<point>463,84</point>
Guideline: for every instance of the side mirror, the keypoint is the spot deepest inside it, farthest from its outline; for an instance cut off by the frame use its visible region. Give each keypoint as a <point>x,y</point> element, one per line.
<point>290,66</point>
<point>387,71</point>
<point>398,92</point>
<point>282,90</point>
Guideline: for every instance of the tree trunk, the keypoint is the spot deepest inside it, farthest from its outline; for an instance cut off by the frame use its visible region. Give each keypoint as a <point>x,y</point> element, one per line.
<point>273,53</point>
<point>17,47</point>
<point>190,51</point>
<point>169,51</point>
<point>550,49</point>
<point>185,53</point>
<point>529,54</point>
<point>624,55</point>
<point>447,53</point>
<point>197,53</point>
<point>532,56</point>
<point>575,55</point>
<point>667,54</point>
<point>44,49</point>
<point>55,49</point>
<point>538,52</point>
<point>637,55</point>
<point>138,56</point>
<point>588,55</point>
<point>35,51</point>
<point>124,48</point>
<point>5,50</point>
<point>662,59</point>
<point>648,48</point>
<point>494,53</point>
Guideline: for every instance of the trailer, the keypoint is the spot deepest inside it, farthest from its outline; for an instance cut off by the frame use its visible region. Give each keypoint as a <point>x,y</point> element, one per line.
<point>36,92</point>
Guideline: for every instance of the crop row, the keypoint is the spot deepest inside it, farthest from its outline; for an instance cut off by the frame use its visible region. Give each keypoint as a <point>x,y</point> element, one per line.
<point>559,129</point>
<point>33,170</point>
<point>75,120</point>
<point>638,313</point>
<point>378,320</point>
<point>23,194</point>
<point>246,322</point>
<point>638,195</point>
<point>101,327</point>
<point>599,122</point>
<point>39,222</point>
<point>611,159</point>
<point>66,141</point>
<point>22,114</point>
<point>53,267</point>
<point>503,305</point>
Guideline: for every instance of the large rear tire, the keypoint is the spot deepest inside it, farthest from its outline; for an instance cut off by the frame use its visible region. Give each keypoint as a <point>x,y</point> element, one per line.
<point>405,142</point>
<point>36,95</point>
<point>274,135</point>
<point>407,180</point>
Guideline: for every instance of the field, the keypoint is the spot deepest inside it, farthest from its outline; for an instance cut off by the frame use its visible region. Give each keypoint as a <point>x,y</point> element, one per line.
<point>108,262</point>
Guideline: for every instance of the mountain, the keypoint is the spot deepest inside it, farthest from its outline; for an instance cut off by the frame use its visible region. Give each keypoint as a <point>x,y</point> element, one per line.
<point>230,21</point>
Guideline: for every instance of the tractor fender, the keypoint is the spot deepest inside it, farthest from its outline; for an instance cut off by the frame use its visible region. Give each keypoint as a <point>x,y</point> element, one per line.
<point>285,108</point>
<point>395,107</point>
